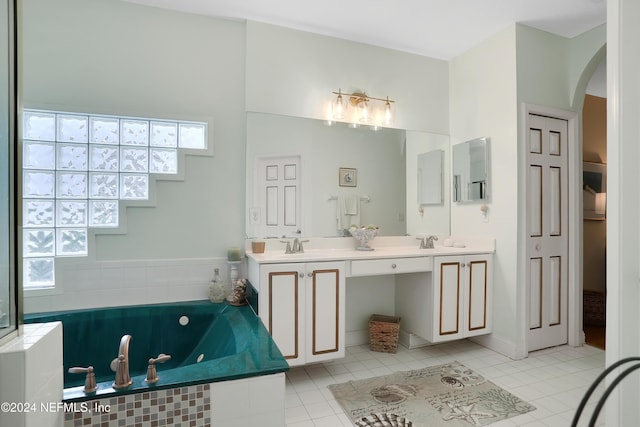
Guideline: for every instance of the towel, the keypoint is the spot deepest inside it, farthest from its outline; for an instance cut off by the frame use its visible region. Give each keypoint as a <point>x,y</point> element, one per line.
<point>347,211</point>
<point>350,205</point>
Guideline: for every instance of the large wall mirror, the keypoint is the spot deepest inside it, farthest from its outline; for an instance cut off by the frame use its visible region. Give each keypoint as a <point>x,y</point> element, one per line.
<point>470,170</point>
<point>381,167</point>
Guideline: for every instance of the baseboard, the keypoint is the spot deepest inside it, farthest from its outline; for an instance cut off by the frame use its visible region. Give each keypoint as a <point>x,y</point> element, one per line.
<point>353,338</point>
<point>500,345</point>
<point>411,341</point>
<point>408,340</point>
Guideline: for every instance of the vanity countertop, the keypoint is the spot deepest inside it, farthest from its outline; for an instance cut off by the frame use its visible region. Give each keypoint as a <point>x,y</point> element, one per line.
<point>343,249</point>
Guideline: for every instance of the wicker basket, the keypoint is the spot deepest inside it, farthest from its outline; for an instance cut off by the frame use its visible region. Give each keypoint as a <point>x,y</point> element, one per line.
<point>383,333</point>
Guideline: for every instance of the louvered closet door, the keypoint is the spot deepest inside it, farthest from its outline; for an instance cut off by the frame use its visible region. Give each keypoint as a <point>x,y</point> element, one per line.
<point>547,226</point>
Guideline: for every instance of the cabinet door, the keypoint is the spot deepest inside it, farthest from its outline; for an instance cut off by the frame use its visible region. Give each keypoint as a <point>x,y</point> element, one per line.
<point>477,295</point>
<point>282,310</point>
<point>325,316</point>
<point>448,298</point>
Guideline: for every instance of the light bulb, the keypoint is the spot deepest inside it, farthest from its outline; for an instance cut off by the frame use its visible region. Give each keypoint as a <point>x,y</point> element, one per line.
<point>387,112</point>
<point>338,106</point>
<point>363,108</point>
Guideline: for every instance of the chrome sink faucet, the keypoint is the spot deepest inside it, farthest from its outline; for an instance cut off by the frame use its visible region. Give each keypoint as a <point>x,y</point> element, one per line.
<point>426,242</point>
<point>120,365</point>
<point>288,249</point>
<point>295,247</point>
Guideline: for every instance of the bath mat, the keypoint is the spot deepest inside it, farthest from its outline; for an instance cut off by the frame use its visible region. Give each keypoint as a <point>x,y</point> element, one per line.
<point>448,395</point>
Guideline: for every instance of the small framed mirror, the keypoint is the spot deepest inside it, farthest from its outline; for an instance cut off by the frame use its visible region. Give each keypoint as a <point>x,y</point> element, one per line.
<point>470,170</point>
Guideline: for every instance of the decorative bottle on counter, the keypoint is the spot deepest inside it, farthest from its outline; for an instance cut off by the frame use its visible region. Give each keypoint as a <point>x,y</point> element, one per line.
<point>217,291</point>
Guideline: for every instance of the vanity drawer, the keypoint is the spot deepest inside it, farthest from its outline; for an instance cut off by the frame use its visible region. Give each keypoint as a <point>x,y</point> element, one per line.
<point>372,267</point>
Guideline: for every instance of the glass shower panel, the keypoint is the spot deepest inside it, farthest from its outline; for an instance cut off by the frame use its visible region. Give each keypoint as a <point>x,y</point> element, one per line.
<point>8,285</point>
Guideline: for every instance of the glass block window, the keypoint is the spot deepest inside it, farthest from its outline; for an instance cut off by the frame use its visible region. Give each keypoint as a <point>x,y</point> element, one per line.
<point>76,169</point>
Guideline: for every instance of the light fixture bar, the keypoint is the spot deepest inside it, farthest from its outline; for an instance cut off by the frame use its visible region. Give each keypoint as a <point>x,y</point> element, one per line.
<point>362,96</point>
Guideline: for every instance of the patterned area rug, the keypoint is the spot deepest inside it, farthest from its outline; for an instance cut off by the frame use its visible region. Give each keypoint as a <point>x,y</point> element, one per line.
<point>447,395</point>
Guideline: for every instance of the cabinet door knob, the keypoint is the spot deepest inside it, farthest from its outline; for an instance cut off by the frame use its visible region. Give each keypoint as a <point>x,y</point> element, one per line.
<point>538,247</point>
<point>309,274</point>
<point>301,275</point>
<point>463,265</point>
<point>393,266</point>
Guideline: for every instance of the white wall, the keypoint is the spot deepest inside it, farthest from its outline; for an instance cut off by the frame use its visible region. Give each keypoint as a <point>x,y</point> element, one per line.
<point>293,73</point>
<point>483,91</point>
<point>588,53</point>
<point>623,210</point>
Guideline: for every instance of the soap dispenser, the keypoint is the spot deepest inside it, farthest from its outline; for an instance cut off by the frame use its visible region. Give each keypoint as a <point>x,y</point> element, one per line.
<point>217,291</point>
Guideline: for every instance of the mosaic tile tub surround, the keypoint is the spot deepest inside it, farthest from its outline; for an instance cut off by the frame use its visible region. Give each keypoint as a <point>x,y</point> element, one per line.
<point>249,402</point>
<point>183,406</point>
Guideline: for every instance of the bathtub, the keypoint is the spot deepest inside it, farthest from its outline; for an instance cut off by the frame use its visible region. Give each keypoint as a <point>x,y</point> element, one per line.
<point>208,343</point>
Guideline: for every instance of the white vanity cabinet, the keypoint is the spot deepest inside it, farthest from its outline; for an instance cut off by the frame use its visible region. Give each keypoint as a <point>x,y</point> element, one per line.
<point>461,295</point>
<point>441,293</point>
<point>452,302</point>
<point>302,306</point>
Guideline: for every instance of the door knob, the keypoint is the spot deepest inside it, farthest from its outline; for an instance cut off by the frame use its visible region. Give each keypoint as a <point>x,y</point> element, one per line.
<point>538,247</point>
<point>301,275</point>
<point>393,266</point>
<point>309,274</point>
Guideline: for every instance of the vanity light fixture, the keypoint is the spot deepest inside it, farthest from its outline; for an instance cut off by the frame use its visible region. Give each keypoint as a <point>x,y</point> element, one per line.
<point>362,104</point>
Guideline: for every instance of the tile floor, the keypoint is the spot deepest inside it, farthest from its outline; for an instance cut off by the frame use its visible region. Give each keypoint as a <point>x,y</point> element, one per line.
<point>553,380</point>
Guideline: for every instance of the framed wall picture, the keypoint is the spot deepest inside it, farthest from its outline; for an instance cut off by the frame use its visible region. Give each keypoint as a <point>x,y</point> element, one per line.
<point>347,177</point>
<point>594,190</point>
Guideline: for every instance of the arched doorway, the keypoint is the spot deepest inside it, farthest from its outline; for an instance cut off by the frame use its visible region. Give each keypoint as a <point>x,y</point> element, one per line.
<point>594,156</point>
<point>591,242</point>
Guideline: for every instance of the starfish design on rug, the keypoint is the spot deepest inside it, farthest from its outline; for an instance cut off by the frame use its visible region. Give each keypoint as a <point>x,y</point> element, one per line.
<point>467,413</point>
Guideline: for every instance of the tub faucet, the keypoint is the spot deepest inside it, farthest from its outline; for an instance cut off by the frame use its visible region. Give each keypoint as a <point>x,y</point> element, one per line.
<point>90,381</point>
<point>120,365</point>
<point>152,372</point>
